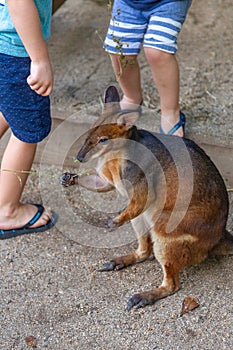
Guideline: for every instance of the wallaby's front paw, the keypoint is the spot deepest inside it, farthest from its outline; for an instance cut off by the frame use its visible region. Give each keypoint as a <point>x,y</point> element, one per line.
<point>67,179</point>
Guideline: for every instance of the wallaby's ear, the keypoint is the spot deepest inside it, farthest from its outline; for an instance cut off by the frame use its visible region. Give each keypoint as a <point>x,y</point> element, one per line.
<point>128,119</point>
<point>111,95</point>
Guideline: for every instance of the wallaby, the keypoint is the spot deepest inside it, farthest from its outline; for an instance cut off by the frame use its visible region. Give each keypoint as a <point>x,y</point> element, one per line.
<point>156,172</point>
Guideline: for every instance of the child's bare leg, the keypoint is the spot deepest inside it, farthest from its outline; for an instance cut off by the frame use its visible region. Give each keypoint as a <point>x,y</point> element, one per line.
<point>128,76</point>
<point>165,72</point>
<point>13,214</point>
<point>3,125</point>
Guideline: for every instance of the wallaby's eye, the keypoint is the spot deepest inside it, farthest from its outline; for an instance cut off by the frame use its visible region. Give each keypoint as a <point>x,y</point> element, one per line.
<point>103,139</point>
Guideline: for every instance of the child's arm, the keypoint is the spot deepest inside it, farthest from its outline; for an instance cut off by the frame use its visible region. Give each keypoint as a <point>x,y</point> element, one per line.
<point>26,20</point>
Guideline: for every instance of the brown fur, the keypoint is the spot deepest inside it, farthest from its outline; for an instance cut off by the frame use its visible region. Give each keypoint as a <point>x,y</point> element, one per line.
<point>150,208</point>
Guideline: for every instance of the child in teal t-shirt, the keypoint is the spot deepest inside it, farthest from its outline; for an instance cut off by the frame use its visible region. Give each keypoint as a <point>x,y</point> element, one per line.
<point>26,81</point>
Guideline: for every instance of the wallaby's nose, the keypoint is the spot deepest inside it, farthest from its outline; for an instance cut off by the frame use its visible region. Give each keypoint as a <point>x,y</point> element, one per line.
<point>79,157</point>
<point>81,154</point>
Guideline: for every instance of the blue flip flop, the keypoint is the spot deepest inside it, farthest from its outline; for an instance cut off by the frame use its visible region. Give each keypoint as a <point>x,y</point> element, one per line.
<point>181,123</point>
<point>4,234</point>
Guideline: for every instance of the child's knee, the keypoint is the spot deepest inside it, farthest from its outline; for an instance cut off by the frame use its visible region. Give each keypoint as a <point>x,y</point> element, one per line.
<point>156,56</point>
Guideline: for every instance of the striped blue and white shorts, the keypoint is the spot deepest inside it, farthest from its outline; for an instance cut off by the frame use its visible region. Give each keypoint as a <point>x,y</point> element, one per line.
<point>157,28</point>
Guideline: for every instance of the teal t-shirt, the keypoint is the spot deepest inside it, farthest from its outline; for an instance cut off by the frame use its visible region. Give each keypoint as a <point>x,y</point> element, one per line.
<point>10,42</point>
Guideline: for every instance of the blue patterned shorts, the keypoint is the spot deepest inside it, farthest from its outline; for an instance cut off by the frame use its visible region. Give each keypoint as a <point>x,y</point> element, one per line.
<point>26,112</point>
<point>157,28</point>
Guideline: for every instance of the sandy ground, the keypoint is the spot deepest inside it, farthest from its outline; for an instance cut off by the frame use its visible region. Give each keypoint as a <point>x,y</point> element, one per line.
<point>50,285</point>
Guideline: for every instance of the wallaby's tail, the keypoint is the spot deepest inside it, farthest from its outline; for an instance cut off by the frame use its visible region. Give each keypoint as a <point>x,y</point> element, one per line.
<point>225,246</point>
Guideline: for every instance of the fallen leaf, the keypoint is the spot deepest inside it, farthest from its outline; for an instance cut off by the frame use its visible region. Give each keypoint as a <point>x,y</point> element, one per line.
<point>31,341</point>
<point>189,303</point>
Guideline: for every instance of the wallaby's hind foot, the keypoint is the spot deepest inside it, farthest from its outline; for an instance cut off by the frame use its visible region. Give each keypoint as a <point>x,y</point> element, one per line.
<point>119,263</point>
<point>170,285</point>
<point>148,298</point>
<point>143,252</point>
<point>123,261</point>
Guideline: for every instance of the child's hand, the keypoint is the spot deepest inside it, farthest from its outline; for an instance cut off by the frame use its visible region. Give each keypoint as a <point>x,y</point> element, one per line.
<point>41,78</point>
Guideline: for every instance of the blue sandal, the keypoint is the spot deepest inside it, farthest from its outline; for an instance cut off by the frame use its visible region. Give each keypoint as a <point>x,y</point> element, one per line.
<point>181,123</point>
<point>4,234</point>
<point>137,110</point>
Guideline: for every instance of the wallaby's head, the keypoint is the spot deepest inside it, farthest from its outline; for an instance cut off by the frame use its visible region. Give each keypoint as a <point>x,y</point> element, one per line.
<point>110,130</point>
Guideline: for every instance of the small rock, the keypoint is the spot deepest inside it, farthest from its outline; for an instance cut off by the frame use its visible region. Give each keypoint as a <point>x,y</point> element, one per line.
<point>31,341</point>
